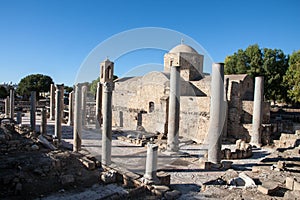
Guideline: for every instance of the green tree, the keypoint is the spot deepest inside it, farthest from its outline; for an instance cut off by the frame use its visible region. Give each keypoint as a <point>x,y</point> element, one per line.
<point>3,92</point>
<point>93,87</point>
<point>270,63</point>
<point>68,89</point>
<point>275,65</point>
<point>34,82</point>
<point>292,77</point>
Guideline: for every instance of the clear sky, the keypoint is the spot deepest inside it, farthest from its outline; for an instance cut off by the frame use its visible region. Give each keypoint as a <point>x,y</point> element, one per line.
<point>54,37</point>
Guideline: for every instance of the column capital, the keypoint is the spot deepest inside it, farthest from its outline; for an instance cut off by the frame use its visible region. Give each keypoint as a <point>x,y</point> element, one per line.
<point>108,86</point>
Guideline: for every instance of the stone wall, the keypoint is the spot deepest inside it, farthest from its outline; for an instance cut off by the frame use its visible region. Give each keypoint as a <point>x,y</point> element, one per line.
<point>194,117</point>
<point>248,110</point>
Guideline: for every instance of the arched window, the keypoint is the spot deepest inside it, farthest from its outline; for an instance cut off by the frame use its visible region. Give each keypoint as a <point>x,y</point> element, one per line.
<point>151,107</point>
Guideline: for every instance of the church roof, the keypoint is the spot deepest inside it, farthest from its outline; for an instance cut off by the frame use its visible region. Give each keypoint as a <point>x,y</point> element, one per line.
<point>183,48</point>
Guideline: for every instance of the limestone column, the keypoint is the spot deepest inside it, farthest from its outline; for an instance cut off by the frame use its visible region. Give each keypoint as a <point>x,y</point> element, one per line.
<point>59,106</point>
<point>52,102</point>
<point>77,118</point>
<point>98,105</point>
<point>43,126</point>
<point>83,105</point>
<point>151,163</point>
<point>107,123</point>
<point>32,110</point>
<point>217,113</point>
<point>7,107</point>
<point>11,103</point>
<point>174,110</point>
<point>257,111</point>
<point>71,109</point>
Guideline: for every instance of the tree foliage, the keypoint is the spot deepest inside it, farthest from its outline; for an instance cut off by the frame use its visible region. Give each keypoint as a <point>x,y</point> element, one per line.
<point>3,92</point>
<point>34,82</point>
<point>292,78</point>
<point>270,63</point>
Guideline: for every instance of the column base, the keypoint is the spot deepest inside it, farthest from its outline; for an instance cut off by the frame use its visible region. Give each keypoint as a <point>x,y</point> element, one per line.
<point>150,180</point>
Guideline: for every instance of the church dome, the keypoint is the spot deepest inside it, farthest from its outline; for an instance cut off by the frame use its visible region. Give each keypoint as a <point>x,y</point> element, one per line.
<point>183,48</point>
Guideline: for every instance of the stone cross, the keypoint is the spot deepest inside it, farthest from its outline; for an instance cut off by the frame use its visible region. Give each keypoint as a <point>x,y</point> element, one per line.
<point>174,110</point>
<point>71,109</point>
<point>32,110</point>
<point>77,132</point>
<point>257,111</point>
<point>59,107</point>
<point>217,113</point>
<point>52,102</point>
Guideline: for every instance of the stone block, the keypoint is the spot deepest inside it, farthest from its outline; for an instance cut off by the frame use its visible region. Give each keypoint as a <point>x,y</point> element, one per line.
<point>164,178</point>
<point>281,165</point>
<point>227,153</point>
<point>291,195</point>
<point>296,186</point>
<point>256,169</point>
<point>205,165</point>
<point>268,188</point>
<point>160,190</point>
<point>109,176</point>
<point>234,155</point>
<point>226,165</point>
<point>239,154</point>
<point>89,164</point>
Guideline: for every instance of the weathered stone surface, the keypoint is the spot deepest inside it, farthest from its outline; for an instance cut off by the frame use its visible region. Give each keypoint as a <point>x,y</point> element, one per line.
<point>249,183</point>
<point>172,195</point>
<point>109,176</point>
<point>89,164</point>
<point>67,179</point>
<point>291,195</point>
<point>296,186</point>
<point>268,188</point>
<point>160,190</point>
<point>164,178</point>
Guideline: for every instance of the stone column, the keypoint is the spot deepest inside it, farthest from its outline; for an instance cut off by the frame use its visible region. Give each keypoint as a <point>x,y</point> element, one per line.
<point>59,106</point>
<point>98,105</point>
<point>11,103</point>
<point>52,102</point>
<point>257,111</point>
<point>32,110</point>
<point>71,109</point>
<point>83,105</point>
<point>19,117</point>
<point>43,126</point>
<point>7,107</point>
<point>107,123</point>
<point>217,113</point>
<point>174,110</point>
<point>77,118</point>
<point>151,163</point>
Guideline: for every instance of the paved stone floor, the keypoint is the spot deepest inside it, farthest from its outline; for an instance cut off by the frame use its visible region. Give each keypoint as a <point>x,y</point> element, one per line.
<point>185,173</point>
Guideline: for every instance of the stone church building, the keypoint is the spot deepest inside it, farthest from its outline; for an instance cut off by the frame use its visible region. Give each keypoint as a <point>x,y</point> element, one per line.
<point>142,102</point>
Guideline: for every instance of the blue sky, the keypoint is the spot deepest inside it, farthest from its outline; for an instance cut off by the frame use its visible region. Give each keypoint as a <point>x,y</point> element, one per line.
<point>54,37</point>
